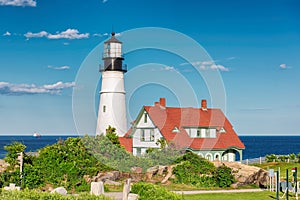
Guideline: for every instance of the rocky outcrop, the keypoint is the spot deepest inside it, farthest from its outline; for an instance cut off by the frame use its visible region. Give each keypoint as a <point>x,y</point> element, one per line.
<point>3,165</point>
<point>245,174</point>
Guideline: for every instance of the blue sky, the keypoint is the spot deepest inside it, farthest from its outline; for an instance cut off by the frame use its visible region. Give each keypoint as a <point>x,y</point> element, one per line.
<point>254,44</point>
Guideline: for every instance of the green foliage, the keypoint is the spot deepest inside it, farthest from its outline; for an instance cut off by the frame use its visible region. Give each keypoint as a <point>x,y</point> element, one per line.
<point>148,191</point>
<point>195,170</point>
<point>271,158</point>
<point>162,142</point>
<point>12,153</point>
<point>112,136</point>
<point>62,164</point>
<point>292,157</point>
<point>119,159</point>
<point>37,195</point>
<point>223,176</point>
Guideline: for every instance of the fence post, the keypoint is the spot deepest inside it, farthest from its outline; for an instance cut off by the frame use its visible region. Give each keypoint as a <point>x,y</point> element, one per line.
<point>287,184</point>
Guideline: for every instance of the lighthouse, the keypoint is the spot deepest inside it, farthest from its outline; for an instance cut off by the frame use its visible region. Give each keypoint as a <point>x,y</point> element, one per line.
<point>112,109</point>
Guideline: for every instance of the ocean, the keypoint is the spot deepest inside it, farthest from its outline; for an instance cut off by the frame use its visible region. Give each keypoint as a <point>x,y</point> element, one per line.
<point>256,146</point>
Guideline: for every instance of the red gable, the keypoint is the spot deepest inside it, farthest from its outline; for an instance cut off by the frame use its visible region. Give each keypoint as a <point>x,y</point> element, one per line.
<point>169,118</point>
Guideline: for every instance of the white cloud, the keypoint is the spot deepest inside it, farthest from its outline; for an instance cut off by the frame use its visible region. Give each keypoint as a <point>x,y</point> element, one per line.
<point>25,89</point>
<point>168,68</point>
<point>105,34</point>
<point>284,66</point>
<point>207,65</point>
<point>36,35</point>
<point>6,33</point>
<point>31,3</point>
<point>65,67</point>
<point>67,34</point>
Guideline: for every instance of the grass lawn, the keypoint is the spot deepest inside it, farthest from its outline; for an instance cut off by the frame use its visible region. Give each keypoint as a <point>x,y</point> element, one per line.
<point>283,166</point>
<point>230,196</point>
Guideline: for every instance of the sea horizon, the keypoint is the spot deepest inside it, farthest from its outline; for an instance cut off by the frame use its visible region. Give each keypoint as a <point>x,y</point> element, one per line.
<point>256,146</point>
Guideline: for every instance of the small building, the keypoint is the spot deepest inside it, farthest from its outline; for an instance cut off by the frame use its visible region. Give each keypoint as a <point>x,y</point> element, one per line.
<point>204,131</point>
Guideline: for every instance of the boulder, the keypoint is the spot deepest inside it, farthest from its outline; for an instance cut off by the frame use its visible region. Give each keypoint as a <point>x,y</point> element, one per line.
<point>136,170</point>
<point>245,174</point>
<point>110,182</point>
<point>60,190</point>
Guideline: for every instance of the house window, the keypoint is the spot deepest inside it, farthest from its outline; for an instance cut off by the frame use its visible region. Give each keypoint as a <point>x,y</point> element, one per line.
<point>198,133</point>
<point>207,133</point>
<point>145,117</point>
<point>222,130</point>
<point>142,135</point>
<point>151,135</point>
<point>104,109</point>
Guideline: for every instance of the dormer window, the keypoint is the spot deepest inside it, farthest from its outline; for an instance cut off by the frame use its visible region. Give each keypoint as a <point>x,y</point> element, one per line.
<point>222,130</point>
<point>175,130</point>
<point>145,117</point>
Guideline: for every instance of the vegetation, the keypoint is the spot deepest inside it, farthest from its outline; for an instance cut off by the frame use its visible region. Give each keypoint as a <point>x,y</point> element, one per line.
<point>195,170</point>
<point>148,191</point>
<point>283,158</point>
<point>112,136</point>
<point>229,196</point>
<point>283,166</point>
<point>67,163</point>
<point>119,159</point>
<point>61,164</point>
<point>37,195</point>
<point>12,154</point>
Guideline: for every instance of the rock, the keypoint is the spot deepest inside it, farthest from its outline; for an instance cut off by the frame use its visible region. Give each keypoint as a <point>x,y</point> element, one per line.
<point>136,170</point>
<point>97,188</point>
<point>245,174</point>
<point>132,196</point>
<point>151,171</point>
<point>60,190</point>
<point>3,165</point>
<point>169,174</point>
<point>110,182</point>
<point>234,186</point>
<point>162,170</point>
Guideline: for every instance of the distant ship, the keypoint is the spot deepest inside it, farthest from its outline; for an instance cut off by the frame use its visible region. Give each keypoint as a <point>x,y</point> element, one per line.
<point>37,135</point>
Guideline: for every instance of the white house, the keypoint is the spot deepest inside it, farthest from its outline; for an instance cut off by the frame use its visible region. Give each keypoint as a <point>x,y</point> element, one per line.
<point>205,131</point>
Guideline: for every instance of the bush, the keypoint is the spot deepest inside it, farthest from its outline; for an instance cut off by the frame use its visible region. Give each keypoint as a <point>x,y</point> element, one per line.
<point>197,171</point>
<point>36,195</point>
<point>223,176</point>
<point>148,191</point>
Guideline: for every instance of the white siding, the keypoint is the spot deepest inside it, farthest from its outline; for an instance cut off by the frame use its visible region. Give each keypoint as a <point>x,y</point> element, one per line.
<point>147,126</point>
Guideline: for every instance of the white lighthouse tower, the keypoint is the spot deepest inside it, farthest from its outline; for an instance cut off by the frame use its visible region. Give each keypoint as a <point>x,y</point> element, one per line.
<point>112,110</point>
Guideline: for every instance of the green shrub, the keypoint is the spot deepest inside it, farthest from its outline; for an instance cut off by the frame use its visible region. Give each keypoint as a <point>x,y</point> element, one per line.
<point>223,176</point>
<point>148,191</point>
<point>271,158</point>
<point>197,171</point>
<point>37,195</point>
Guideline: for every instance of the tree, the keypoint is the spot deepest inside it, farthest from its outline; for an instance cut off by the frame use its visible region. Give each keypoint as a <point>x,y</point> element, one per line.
<point>12,154</point>
<point>162,142</point>
<point>112,136</point>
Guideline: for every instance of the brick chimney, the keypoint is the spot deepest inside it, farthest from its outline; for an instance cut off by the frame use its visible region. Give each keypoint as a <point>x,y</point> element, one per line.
<point>204,104</point>
<point>162,102</point>
<point>156,103</point>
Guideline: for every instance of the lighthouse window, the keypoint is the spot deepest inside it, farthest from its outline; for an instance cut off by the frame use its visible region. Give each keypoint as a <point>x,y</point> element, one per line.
<point>104,108</point>
<point>145,117</point>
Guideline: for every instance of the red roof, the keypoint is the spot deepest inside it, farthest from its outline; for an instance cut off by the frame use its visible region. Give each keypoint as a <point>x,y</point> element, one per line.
<point>167,118</point>
<point>126,142</point>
